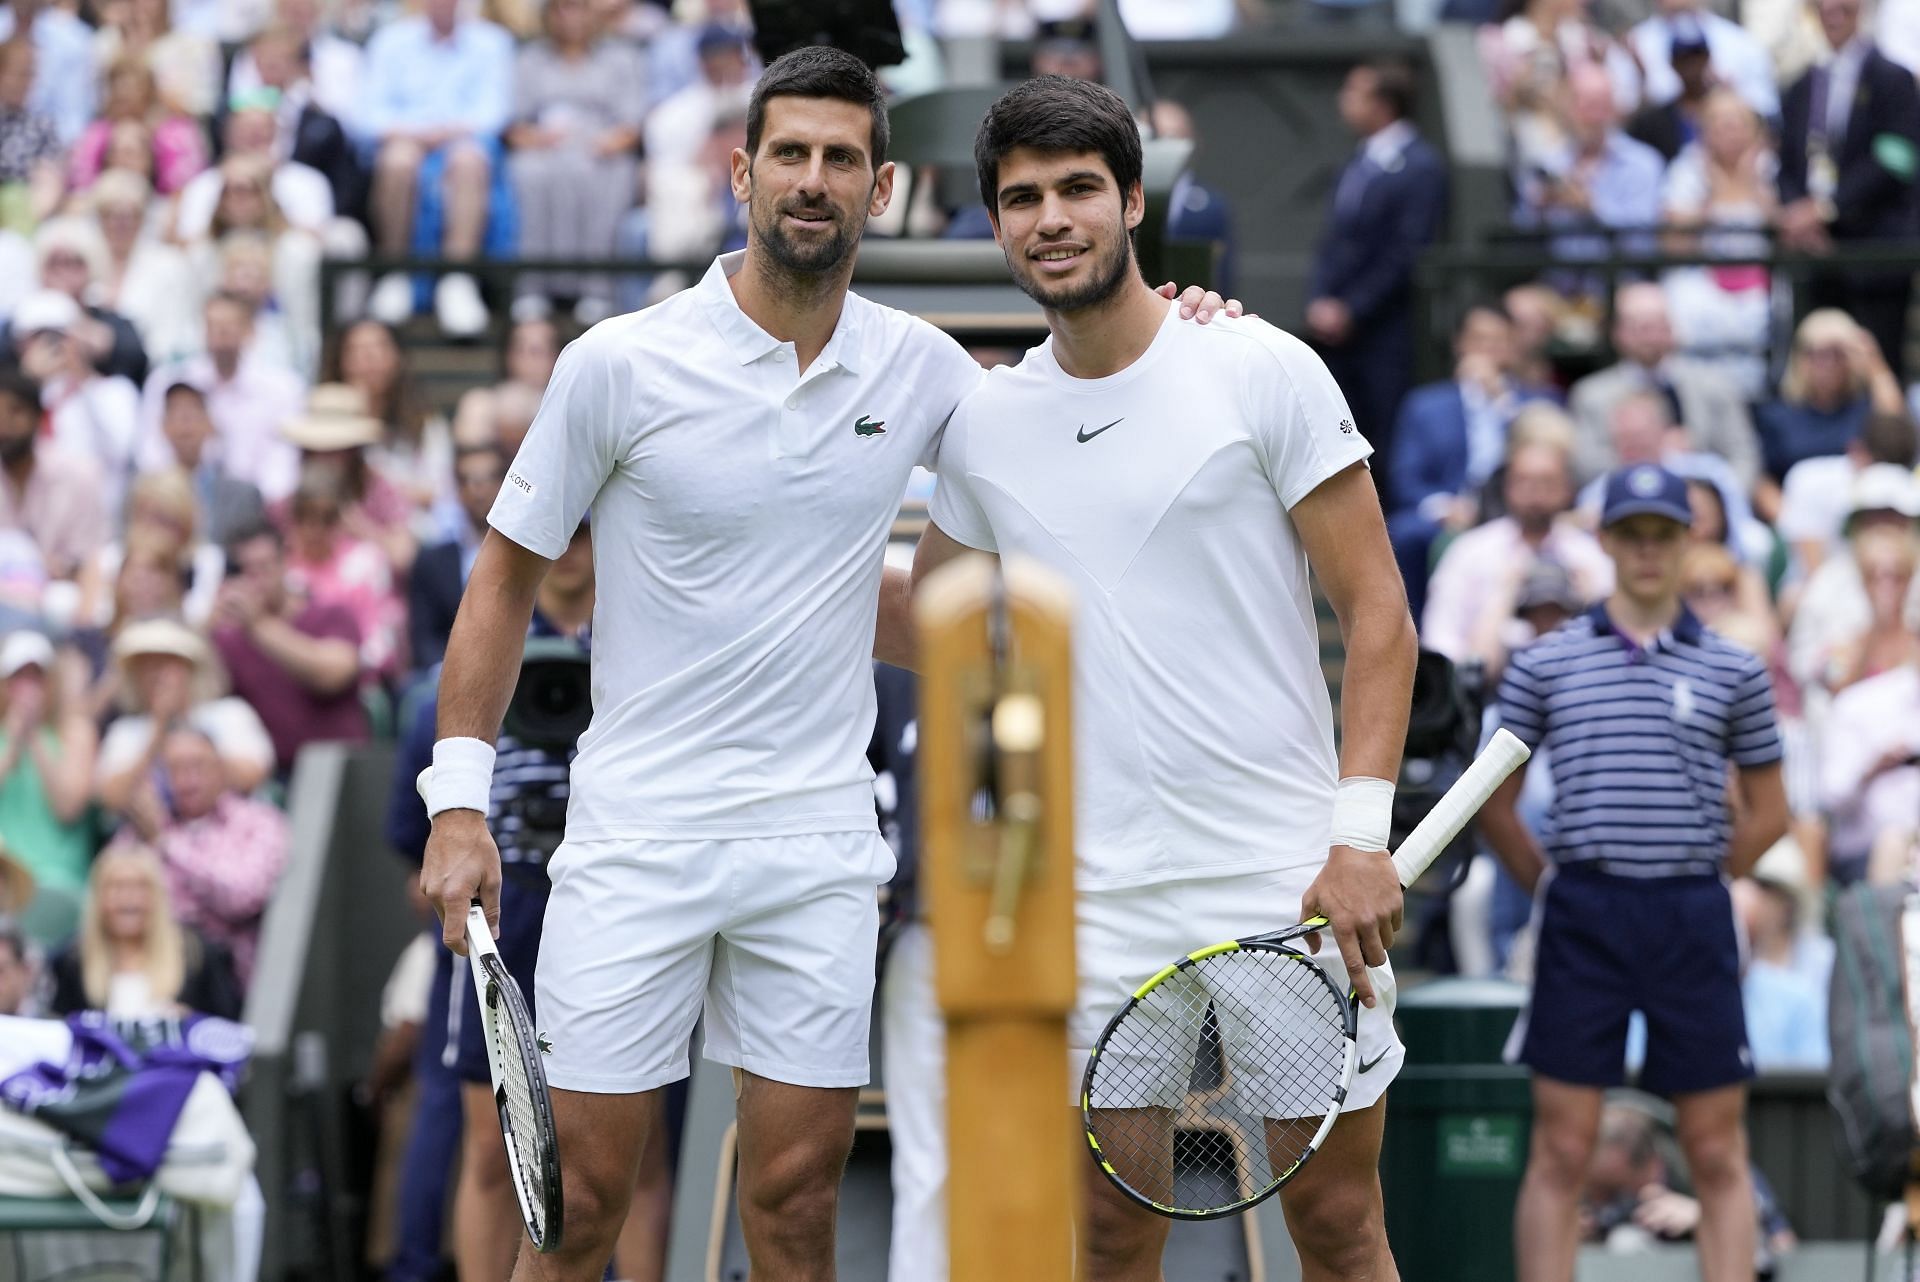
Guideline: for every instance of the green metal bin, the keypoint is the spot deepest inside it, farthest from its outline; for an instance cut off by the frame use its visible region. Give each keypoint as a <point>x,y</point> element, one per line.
<point>1456,1139</point>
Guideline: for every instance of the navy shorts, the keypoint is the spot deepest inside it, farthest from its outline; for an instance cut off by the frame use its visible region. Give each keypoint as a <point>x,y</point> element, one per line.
<point>523,906</point>
<point>1608,946</point>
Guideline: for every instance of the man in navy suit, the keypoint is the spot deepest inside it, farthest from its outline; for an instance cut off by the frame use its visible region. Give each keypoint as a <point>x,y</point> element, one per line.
<point>1386,208</point>
<point>1451,437</point>
<point>1849,152</point>
<point>439,573</point>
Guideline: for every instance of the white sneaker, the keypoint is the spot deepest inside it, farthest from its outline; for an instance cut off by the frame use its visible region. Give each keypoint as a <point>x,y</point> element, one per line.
<point>391,302</point>
<point>457,306</point>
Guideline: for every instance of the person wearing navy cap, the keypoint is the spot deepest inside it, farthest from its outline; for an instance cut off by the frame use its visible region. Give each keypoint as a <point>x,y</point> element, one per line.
<point>1647,714</point>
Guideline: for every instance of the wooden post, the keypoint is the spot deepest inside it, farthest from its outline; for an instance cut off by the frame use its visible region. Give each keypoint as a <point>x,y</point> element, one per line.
<point>999,883</point>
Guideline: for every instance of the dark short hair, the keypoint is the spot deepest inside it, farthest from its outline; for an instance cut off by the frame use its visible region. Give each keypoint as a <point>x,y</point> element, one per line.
<point>253,531</point>
<point>20,385</point>
<point>1393,84</point>
<point>181,387</point>
<point>1057,114</point>
<point>473,449</point>
<point>1890,438</point>
<point>820,71</point>
<point>1491,306</point>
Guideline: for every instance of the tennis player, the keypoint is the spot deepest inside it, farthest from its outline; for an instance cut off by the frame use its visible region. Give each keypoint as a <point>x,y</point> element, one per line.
<point>744,447</point>
<point>1184,480</point>
<point>1649,716</point>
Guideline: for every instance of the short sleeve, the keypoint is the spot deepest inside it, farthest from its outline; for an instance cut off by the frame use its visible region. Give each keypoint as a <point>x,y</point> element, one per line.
<point>569,452</point>
<point>1523,700</point>
<point>1298,415</point>
<point>956,505</point>
<point>1753,737</point>
<point>954,376</point>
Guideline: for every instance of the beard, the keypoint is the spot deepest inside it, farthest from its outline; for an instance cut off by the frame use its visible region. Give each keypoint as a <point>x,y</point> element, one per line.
<point>814,257</point>
<point>13,449</point>
<point>1109,272</point>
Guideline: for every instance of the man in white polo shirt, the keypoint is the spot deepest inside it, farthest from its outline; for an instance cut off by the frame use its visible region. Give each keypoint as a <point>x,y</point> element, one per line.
<point>1183,480</point>
<point>744,446</point>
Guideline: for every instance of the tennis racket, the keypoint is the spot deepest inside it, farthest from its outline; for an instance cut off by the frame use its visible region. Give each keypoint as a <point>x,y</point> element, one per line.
<point>519,1086</point>
<point>1223,1073</point>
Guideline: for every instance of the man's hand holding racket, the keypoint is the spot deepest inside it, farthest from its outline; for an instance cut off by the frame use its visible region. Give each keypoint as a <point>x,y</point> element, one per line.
<point>462,867</point>
<point>1359,893</point>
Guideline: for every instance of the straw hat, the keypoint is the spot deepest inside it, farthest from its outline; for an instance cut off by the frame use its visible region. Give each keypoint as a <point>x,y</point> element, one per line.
<point>336,419</point>
<point>167,637</point>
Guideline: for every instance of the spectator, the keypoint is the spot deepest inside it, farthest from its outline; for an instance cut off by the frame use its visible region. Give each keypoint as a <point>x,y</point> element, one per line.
<point>673,55</point>
<point>1719,198</point>
<point>1834,608</point>
<point>281,274</point>
<point>306,133</point>
<point>1536,311</point>
<point>689,140</point>
<point>186,65</point>
<point>1649,717</point>
<point>1523,608</point>
<point>1481,571</point>
<point>1669,124</point>
<point>51,496</point>
<point>175,147</point>
<point>574,143</point>
<point>302,194</point>
<point>330,566</point>
<point>223,852</point>
<point>1784,989</point>
<point>1385,210</point>
<point>439,574</point>
<point>415,452</point>
<point>145,279</point>
<point>330,65</point>
<point>1836,378</point>
<point>526,363</point>
<point>227,503</point>
<point>71,259</point>
<point>1597,176</point>
<point>133,959</point>
<point>63,69</point>
<point>1818,492</point>
<point>16,970</point>
<point>1886,558</point>
<point>162,510</point>
<point>1701,398</point>
<point>1869,783</point>
<point>31,154</point>
<point>1530,59</point>
<point>1452,435</point>
<point>89,415</point>
<point>297,662</point>
<point>167,675</point>
<point>436,98</point>
<point>1195,211</point>
<point>1738,59</point>
<point>47,745</point>
<point>1850,149</point>
<point>247,396</point>
<point>1724,594</point>
<point>335,438</point>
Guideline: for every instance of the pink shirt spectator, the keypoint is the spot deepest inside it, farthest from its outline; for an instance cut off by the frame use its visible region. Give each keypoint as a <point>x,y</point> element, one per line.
<point>294,715</point>
<point>60,506</point>
<point>179,152</point>
<point>357,579</point>
<point>221,871</point>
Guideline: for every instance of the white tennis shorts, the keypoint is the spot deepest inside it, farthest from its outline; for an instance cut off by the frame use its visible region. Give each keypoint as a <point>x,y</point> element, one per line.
<point>1124,936</point>
<point>772,936</point>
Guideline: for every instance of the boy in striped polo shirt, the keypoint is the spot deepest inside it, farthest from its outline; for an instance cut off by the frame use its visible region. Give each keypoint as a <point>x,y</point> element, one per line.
<point>1644,711</point>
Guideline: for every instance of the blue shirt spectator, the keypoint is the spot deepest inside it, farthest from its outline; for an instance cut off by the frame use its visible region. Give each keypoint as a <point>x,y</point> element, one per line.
<point>418,80</point>
<point>1600,176</point>
<point>64,83</point>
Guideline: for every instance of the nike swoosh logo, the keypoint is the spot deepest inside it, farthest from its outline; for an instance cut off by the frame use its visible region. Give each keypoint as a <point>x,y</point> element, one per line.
<point>1368,1065</point>
<point>1083,435</point>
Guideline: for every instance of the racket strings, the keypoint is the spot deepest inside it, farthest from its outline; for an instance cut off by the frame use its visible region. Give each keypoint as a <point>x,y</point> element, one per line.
<point>519,1118</point>
<point>1215,1083</point>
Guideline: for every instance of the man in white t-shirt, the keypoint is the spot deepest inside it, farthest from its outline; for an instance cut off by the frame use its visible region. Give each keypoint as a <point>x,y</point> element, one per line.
<point>1183,479</point>
<point>743,447</point>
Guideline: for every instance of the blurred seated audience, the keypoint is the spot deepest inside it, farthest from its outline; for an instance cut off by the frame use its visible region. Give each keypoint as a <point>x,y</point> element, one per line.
<point>1597,177</point>
<point>1818,492</point>
<point>1536,311</point>
<point>186,65</point>
<point>73,260</point>
<point>145,279</point>
<point>1700,397</point>
<point>1788,964</point>
<point>414,454</point>
<point>89,415</point>
<point>168,675</point>
<point>526,362</point>
<point>46,493</point>
<point>32,156</point>
<point>248,397</point>
<point>690,210</point>
<point>1449,439</point>
<point>1531,56</point>
<point>1886,558</point>
<point>162,513</point>
<point>1869,782</point>
<point>224,502</point>
<point>1481,571</point>
<point>436,95</point>
<point>439,574</point>
<point>175,146</point>
<point>64,80</point>
<point>223,852</point>
<point>47,745</point>
<point>295,660</point>
<point>330,64</point>
<point>1834,609</point>
<point>1725,595</point>
<point>336,437</point>
<point>299,193</point>
<point>573,150</point>
<point>133,959</point>
<point>330,565</point>
<point>1671,121</point>
<point>1835,378</point>
<point>306,133</point>
<point>1738,60</point>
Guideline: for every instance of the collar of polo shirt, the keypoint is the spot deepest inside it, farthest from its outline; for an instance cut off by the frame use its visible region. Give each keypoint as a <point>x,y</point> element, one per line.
<point>1685,628</point>
<point>749,342</point>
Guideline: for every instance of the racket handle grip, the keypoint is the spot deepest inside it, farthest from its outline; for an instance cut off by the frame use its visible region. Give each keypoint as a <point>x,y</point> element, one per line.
<point>1500,758</point>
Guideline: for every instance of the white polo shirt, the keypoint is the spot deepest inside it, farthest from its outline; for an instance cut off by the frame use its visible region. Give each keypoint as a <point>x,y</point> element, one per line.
<point>740,515</point>
<point>1203,732</point>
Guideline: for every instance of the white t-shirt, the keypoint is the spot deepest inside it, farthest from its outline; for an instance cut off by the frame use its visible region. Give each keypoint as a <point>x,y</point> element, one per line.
<point>235,728</point>
<point>740,515</point>
<point>1202,727</point>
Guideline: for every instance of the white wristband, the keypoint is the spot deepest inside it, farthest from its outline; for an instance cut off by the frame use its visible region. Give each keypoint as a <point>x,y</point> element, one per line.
<point>1363,813</point>
<point>461,777</point>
